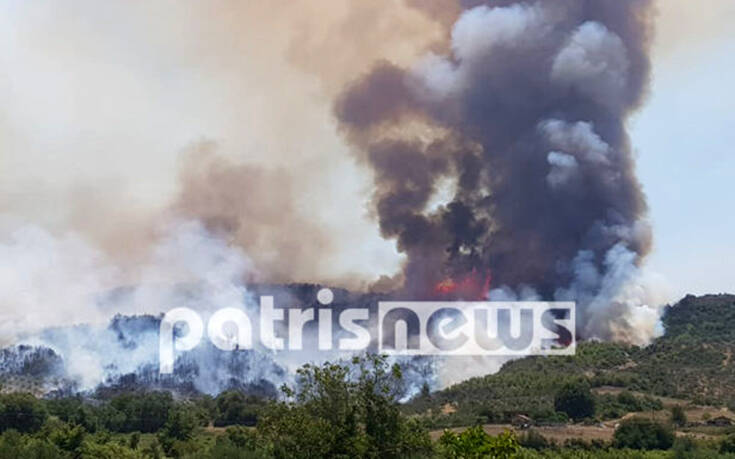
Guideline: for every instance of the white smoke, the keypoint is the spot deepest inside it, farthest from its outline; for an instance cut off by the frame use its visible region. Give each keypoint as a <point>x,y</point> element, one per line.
<point>594,62</point>
<point>60,292</point>
<point>576,138</point>
<point>188,254</point>
<point>563,168</point>
<point>49,280</point>
<point>476,34</point>
<point>622,304</point>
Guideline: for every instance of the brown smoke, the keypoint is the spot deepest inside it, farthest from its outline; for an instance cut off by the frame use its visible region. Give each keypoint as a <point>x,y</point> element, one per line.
<point>252,207</point>
<point>96,149</point>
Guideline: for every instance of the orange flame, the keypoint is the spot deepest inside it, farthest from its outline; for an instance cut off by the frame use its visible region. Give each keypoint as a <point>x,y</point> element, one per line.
<point>472,286</point>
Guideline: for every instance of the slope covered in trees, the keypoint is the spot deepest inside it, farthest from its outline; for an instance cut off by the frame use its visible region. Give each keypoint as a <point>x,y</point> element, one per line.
<point>692,360</point>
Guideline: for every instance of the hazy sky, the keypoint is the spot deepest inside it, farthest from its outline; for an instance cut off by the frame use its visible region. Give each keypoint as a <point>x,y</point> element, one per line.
<point>684,136</point>
<point>98,101</point>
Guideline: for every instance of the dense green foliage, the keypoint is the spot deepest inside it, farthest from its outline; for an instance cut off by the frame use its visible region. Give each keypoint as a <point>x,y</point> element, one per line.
<point>643,433</point>
<point>474,443</point>
<point>317,421</point>
<point>344,410</point>
<point>575,399</point>
<point>21,412</point>
<point>146,412</point>
<point>728,444</point>
<point>608,406</point>
<point>235,408</point>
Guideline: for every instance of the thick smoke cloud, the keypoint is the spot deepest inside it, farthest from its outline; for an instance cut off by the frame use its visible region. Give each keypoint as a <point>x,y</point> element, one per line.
<point>98,121</point>
<point>526,113</point>
<point>494,132</point>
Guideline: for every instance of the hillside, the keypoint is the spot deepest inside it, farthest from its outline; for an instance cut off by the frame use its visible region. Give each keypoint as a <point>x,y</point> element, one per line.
<point>691,361</point>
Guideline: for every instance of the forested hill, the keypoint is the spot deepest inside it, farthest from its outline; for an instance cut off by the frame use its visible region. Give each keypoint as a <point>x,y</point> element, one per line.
<point>709,318</point>
<point>693,360</point>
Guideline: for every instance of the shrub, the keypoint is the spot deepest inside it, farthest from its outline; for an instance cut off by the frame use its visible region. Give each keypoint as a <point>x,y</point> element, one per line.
<point>178,430</point>
<point>678,416</point>
<point>683,447</point>
<point>15,445</point>
<point>234,408</point>
<point>66,437</point>
<point>108,451</point>
<point>534,440</point>
<point>134,440</point>
<point>728,444</point>
<point>474,443</point>
<point>142,412</point>
<point>575,399</point>
<point>225,449</point>
<point>643,433</point>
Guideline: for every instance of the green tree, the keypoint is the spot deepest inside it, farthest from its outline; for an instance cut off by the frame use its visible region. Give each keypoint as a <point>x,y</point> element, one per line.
<point>180,427</point>
<point>628,401</point>
<point>235,408</point>
<point>143,412</point>
<point>678,416</point>
<point>22,412</point>
<point>242,437</point>
<point>14,445</point>
<point>344,409</point>
<point>134,440</point>
<point>643,433</point>
<point>65,436</point>
<point>290,431</point>
<point>575,399</point>
<point>153,450</point>
<point>378,387</point>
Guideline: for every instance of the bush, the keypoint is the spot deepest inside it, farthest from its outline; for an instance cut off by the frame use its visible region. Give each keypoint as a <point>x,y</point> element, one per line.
<point>678,416</point>
<point>108,451</point>
<point>474,443</point>
<point>134,440</point>
<point>235,408</point>
<point>683,447</point>
<point>616,406</point>
<point>142,412</point>
<point>533,440</point>
<point>643,433</point>
<point>728,444</point>
<point>575,399</point>
<point>66,437</point>
<point>15,445</point>
<point>225,449</point>
<point>628,400</point>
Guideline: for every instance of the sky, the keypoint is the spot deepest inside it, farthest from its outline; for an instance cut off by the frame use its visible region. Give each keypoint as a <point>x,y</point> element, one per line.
<point>98,110</point>
<point>684,140</point>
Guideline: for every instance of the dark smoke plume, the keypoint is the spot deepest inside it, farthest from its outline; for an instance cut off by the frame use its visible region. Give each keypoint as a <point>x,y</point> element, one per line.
<point>520,126</point>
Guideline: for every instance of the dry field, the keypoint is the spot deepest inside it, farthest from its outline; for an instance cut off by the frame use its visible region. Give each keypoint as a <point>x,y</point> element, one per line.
<point>605,431</point>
